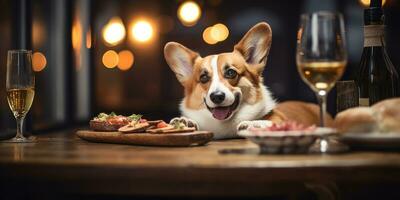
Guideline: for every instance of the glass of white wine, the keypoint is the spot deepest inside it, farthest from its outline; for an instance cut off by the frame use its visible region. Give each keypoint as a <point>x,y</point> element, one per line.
<point>321,59</point>
<point>20,86</point>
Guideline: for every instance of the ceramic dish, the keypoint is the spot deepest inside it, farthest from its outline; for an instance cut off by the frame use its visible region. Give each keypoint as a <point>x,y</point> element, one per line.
<point>374,140</point>
<point>281,141</point>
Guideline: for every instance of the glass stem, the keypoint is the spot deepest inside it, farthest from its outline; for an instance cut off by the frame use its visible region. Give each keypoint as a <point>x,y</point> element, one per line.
<point>322,106</point>
<point>20,127</point>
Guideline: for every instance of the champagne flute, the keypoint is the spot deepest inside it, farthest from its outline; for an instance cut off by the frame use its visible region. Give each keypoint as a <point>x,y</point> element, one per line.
<point>321,58</point>
<point>20,86</point>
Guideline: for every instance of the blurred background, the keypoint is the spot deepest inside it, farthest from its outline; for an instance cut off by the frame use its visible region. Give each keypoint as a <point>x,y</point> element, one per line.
<point>94,56</point>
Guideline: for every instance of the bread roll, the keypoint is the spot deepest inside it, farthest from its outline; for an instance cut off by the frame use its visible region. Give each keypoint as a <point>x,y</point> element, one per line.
<point>382,117</point>
<point>388,115</point>
<point>356,120</point>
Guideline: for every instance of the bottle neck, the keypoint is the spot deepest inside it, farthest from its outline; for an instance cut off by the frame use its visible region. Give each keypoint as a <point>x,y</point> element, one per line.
<point>374,35</point>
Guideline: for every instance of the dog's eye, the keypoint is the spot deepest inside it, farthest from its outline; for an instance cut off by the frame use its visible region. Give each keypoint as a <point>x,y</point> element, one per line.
<point>230,73</point>
<point>204,78</point>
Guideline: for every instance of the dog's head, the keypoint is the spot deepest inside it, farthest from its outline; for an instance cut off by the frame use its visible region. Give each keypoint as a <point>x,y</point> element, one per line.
<point>222,82</point>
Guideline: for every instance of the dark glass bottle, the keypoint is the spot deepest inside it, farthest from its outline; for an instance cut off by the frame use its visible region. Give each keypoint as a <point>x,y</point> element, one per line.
<point>377,77</point>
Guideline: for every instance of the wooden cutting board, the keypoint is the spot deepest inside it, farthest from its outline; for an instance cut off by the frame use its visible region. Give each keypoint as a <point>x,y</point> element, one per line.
<point>173,139</point>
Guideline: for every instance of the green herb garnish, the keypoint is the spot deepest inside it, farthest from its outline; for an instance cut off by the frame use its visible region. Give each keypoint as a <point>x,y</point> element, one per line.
<point>112,114</point>
<point>135,117</point>
<point>178,125</point>
<point>102,116</point>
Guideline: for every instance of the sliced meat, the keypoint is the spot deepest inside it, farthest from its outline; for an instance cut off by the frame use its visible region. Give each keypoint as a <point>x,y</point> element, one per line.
<point>118,120</point>
<point>104,126</point>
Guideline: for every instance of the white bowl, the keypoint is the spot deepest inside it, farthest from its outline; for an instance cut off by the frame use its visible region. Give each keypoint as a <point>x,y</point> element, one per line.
<point>281,141</point>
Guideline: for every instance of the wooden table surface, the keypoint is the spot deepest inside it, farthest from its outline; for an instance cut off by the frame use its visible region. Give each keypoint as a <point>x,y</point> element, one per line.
<point>64,162</point>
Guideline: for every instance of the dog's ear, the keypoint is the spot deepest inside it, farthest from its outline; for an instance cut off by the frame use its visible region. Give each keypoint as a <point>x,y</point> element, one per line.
<point>180,59</point>
<point>255,45</point>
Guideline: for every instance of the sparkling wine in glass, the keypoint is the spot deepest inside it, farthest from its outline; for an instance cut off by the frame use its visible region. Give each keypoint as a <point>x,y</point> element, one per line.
<point>321,59</point>
<point>20,87</point>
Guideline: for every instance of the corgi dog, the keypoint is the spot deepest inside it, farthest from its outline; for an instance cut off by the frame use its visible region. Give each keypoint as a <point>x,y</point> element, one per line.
<point>225,89</point>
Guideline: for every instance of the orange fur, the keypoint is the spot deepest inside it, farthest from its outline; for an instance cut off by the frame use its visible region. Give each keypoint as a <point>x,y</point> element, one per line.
<point>302,112</point>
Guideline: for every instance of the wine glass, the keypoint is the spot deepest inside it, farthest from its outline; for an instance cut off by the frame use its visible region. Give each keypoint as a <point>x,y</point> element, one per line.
<point>321,58</point>
<point>20,86</point>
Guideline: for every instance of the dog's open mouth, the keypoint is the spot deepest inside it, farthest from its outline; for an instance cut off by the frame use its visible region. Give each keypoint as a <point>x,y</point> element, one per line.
<point>224,112</point>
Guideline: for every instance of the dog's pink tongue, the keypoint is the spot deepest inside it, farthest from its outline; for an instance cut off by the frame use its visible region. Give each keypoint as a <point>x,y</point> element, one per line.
<point>221,113</point>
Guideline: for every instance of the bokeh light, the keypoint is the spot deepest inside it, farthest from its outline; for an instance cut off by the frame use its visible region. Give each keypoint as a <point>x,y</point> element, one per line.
<point>189,13</point>
<point>214,34</point>
<point>89,38</point>
<point>126,60</point>
<point>207,36</point>
<point>38,33</point>
<point>365,3</point>
<point>142,31</point>
<point>76,37</point>
<point>219,32</point>
<point>110,59</point>
<point>39,61</point>
<point>114,31</point>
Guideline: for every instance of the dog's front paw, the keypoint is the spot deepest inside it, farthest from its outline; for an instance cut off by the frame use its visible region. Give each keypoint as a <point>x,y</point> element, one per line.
<point>188,122</point>
<point>255,123</point>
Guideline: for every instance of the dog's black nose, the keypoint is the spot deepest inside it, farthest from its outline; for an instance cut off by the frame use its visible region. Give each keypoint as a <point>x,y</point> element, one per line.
<point>217,97</point>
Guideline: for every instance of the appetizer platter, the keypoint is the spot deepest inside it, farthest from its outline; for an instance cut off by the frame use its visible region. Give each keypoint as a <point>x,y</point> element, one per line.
<point>135,130</point>
<point>283,138</point>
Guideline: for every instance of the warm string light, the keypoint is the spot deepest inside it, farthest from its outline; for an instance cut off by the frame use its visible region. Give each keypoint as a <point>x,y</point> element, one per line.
<point>123,60</point>
<point>219,32</point>
<point>189,13</point>
<point>77,41</point>
<point>214,34</point>
<point>142,31</point>
<point>89,38</point>
<point>207,36</point>
<point>38,33</point>
<point>114,32</point>
<point>126,60</point>
<point>39,61</point>
<point>76,35</point>
<point>366,3</point>
<point>110,59</point>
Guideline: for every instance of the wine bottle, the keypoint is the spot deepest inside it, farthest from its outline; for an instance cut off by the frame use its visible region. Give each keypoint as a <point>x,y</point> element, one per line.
<point>377,77</point>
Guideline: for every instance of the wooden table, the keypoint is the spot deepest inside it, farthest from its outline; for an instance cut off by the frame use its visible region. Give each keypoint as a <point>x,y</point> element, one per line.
<point>62,163</point>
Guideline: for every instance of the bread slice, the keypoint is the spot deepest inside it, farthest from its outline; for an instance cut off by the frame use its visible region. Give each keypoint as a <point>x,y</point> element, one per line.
<point>135,128</point>
<point>173,130</point>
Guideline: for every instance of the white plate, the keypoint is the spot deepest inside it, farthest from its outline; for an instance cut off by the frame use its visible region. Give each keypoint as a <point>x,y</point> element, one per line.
<point>372,140</point>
